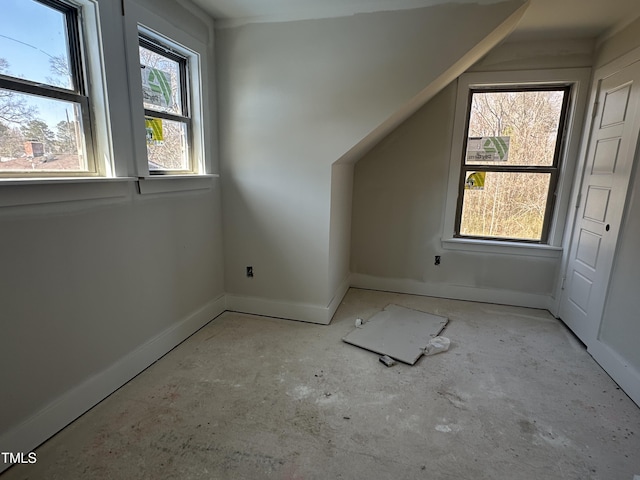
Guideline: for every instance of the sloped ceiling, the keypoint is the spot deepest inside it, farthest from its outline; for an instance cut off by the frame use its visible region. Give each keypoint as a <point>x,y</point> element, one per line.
<point>260,11</point>
<point>576,18</point>
<point>544,18</point>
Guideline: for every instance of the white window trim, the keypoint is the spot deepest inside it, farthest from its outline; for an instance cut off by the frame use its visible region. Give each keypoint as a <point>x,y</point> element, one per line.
<point>61,189</point>
<point>174,183</point>
<point>94,58</point>
<point>140,20</point>
<point>17,191</point>
<point>579,78</point>
<point>88,83</point>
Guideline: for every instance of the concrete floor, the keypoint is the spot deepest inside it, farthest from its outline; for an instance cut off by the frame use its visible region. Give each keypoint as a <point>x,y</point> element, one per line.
<point>247,397</point>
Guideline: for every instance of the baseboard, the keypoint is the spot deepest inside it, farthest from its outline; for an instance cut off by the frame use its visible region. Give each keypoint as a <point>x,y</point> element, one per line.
<point>456,292</point>
<point>292,311</point>
<point>58,414</point>
<point>617,368</point>
<point>279,309</point>
<point>338,296</point>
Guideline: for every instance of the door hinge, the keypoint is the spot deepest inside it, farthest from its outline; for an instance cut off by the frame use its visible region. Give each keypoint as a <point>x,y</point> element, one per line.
<point>595,110</point>
<point>578,200</point>
<point>564,279</point>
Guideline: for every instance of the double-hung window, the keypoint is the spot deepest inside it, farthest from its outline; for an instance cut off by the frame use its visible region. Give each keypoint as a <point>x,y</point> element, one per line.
<point>166,98</point>
<point>45,117</point>
<point>511,162</point>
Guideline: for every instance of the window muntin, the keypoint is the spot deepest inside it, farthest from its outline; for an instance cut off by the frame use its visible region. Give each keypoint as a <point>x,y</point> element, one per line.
<point>508,193</point>
<point>45,127</point>
<point>165,91</point>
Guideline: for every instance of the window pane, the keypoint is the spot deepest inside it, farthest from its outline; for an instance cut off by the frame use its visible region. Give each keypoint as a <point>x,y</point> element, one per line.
<point>514,128</point>
<point>34,43</point>
<point>40,134</point>
<point>160,82</point>
<point>167,144</point>
<point>504,204</point>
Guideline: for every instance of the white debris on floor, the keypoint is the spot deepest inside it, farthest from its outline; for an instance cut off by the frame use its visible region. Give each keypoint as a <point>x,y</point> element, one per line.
<point>401,333</point>
<point>437,345</point>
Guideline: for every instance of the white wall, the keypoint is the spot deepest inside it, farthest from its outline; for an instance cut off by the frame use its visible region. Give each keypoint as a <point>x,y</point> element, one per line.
<point>400,189</point>
<point>297,96</point>
<point>538,54</point>
<point>93,291</point>
<point>620,327</point>
<point>340,227</point>
<point>617,45</point>
<point>82,287</point>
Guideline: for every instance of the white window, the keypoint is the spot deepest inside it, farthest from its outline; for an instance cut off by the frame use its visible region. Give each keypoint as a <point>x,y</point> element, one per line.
<point>45,112</point>
<point>515,141</point>
<point>509,170</point>
<point>166,96</point>
<point>173,129</point>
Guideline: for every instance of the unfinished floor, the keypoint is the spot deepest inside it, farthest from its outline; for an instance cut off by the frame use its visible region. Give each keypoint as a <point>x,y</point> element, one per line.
<point>248,397</point>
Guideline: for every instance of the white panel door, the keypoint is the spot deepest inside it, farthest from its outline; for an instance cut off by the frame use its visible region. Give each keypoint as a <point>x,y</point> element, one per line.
<point>610,155</point>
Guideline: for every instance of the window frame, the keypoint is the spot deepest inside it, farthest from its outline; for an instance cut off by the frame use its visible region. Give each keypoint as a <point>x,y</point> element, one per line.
<point>167,51</point>
<point>138,20</point>
<point>553,169</point>
<point>579,79</point>
<point>107,30</point>
<point>78,94</point>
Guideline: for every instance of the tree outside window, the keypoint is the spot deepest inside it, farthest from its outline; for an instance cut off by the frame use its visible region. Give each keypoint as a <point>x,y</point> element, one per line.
<point>511,163</point>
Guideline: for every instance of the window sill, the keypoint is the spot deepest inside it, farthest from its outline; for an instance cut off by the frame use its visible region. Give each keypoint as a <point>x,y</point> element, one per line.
<point>504,248</point>
<point>174,183</point>
<point>36,191</point>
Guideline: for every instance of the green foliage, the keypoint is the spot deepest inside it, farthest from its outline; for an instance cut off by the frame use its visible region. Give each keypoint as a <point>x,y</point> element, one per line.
<point>65,141</point>
<point>39,131</point>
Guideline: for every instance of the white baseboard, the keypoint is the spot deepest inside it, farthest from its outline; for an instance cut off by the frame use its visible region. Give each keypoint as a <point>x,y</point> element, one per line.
<point>302,312</point>
<point>618,369</point>
<point>338,296</point>
<point>276,308</point>
<point>456,292</point>
<point>58,414</point>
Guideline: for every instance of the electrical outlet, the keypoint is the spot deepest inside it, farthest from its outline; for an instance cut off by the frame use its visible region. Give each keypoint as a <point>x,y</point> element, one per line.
<point>437,262</point>
<point>250,272</point>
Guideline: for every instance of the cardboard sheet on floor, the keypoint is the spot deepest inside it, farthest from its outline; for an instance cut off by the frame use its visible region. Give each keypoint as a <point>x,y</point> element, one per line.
<point>399,332</point>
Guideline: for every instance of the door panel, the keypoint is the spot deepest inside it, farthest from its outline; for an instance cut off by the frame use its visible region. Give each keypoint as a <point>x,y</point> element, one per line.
<point>606,156</point>
<point>604,189</point>
<point>596,203</point>
<point>580,291</point>
<point>588,248</point>
<point>614,105</point>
